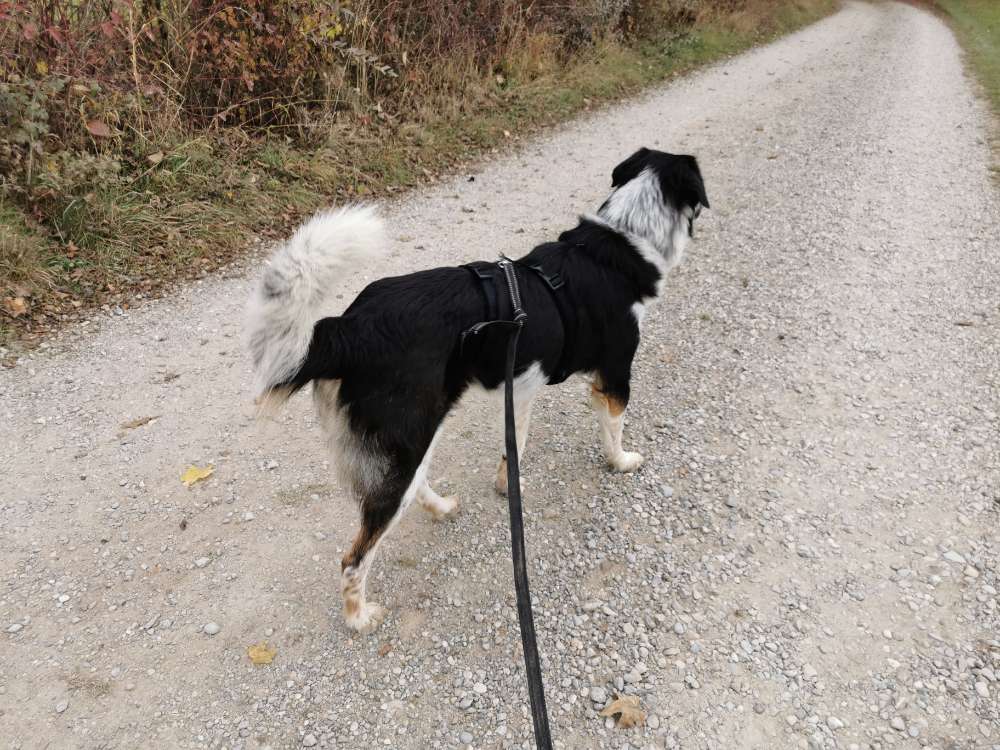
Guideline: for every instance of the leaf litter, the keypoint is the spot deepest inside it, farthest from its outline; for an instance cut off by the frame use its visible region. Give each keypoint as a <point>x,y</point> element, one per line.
<point>628,710</point>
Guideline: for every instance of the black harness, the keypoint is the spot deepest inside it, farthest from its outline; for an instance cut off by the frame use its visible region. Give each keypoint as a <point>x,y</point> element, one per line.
<point>488,274</point>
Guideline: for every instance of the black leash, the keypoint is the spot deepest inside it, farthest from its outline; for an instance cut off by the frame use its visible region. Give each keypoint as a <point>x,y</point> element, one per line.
<point>532,664</point>
<point>485,272</point>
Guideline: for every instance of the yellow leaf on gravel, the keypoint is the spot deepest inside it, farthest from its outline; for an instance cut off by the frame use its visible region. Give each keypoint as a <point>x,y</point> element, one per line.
<point>628,710</point>
<point>259,653</point>
<point>196,474</point>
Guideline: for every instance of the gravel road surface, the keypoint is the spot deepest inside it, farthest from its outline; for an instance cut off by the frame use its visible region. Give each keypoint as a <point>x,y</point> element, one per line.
<point>808,558</point>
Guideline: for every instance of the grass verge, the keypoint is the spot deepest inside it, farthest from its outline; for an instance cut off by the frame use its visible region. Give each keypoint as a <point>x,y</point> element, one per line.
<point>118,240</point>
<point>977,26</point>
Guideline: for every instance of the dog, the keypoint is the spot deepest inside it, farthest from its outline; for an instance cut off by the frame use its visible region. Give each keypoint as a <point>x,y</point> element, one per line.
<point>388,370</point>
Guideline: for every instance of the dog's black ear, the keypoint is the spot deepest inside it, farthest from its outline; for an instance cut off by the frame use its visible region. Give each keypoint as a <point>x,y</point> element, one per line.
<point>684,183</point>
<point>630,168</point>
<point>699,184</point>
<point>695,183</point>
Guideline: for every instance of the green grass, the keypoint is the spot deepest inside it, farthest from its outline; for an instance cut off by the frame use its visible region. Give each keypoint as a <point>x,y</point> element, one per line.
<point>977,23</point>
<point>977,26</point>
<point>111,237</point>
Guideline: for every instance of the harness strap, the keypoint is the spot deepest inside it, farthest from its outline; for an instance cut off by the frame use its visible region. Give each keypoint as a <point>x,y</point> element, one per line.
<point>554,282</point>
<point>485,274</point>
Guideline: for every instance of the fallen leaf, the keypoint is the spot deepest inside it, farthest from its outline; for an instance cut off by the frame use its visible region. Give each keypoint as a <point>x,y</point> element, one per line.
<point>628,711</point>
<point>196,474</point>
<point>133,423</point>
<point>259,653</point>
<point>98,129</point>
<point>15,306</point>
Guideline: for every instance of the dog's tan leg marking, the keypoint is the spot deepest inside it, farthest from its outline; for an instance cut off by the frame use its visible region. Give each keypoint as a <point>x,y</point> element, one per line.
<point>360,614</point>
<point>439,507</point>
<point>611,419</point>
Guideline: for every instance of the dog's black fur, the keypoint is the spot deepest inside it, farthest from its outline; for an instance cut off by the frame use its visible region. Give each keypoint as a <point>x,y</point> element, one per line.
<point>396,353</point>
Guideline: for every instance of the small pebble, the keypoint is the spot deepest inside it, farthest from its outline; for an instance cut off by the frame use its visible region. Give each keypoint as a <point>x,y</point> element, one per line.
<point>211,628</point>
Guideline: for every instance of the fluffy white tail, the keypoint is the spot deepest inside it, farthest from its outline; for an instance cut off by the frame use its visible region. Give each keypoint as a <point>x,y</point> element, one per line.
<point>296,281</point>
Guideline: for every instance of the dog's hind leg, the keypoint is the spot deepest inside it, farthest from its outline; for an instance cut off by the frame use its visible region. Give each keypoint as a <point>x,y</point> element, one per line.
<point>382,506</point>
<point>609,400</point>
<point>377,520</point>
<point>439,507</point>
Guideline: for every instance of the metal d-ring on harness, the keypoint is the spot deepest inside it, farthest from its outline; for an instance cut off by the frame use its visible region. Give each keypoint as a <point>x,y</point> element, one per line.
<point>532,664</point>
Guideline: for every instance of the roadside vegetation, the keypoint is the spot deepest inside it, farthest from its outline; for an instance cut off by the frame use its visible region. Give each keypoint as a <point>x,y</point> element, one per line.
<point>977,25</point>
<point>145,142</point>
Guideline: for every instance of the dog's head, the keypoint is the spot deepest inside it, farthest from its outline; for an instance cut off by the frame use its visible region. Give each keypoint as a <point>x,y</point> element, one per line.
<point>657,196</point>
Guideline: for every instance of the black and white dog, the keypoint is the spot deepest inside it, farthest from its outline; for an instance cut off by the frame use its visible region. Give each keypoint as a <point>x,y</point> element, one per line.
<point>387,372</point>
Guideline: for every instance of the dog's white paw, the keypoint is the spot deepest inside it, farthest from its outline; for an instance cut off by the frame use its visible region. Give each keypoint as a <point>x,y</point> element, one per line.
<point>627,461</point>
<point>366,618</point>
<point>440,507</point>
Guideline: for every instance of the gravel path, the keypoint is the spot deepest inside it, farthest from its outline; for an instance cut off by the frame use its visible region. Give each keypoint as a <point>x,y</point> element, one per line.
<point>808,557</point>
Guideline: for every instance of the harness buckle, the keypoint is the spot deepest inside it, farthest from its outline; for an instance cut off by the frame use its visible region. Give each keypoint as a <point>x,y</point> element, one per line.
<point>553,280</point>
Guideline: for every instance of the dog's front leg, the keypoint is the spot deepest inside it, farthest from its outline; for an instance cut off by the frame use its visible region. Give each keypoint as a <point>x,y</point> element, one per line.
<point>522,420</point>
<point>609,400</point>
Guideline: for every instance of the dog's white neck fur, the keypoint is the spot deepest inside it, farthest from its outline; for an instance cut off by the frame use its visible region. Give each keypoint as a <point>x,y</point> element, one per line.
<point>658,232</point>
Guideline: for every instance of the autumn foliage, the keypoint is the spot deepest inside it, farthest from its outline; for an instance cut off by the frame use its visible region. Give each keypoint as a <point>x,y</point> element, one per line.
<point>140,138</point>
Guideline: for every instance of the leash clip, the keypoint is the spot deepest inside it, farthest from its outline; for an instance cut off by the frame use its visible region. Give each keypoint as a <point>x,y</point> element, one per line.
<point>510,274</point>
